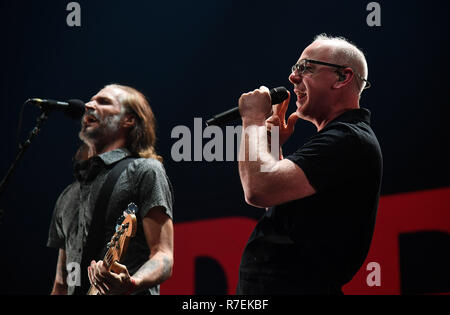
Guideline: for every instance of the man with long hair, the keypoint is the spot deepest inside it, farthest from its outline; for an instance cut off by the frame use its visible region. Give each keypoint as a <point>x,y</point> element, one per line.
<point>118,125</point>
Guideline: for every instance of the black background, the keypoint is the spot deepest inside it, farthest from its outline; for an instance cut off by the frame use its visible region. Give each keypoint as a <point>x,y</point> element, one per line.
<point>194,59</point>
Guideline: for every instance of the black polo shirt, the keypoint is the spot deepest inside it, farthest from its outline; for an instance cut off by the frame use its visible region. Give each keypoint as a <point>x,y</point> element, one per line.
<point>316,244</point>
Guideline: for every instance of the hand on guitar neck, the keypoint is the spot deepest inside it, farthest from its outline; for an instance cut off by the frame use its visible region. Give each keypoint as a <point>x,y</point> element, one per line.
<point>116,281</point>
<point>108,276</point>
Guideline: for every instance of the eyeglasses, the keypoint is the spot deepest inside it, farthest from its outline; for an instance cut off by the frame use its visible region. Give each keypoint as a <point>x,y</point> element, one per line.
<point>303,66</point>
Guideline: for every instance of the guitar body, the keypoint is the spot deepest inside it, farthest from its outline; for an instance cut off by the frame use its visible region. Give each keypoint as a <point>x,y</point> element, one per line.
<point>117,247</point>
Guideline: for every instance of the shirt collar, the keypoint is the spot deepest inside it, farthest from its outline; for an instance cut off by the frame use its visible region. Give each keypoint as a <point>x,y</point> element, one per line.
<point>85,171</point>
<point>352,116</point>
<point>114,156</point>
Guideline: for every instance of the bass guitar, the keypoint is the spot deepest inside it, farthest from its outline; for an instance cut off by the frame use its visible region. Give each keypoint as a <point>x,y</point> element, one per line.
<point>125,229</point>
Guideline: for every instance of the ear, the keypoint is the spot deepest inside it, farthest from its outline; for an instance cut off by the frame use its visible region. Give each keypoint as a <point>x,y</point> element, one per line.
<point>129,121</point>
<point>345,77</point>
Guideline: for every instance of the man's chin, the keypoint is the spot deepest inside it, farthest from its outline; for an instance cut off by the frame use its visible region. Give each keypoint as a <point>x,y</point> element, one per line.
<point>88,135</point>
<point>300,108</point>
<point>302,111</point>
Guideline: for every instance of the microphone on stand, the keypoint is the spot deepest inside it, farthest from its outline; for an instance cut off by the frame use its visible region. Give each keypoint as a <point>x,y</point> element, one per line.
<point>72,108</point>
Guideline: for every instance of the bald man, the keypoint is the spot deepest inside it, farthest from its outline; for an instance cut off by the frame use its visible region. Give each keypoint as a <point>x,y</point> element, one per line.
<point>321,201</point>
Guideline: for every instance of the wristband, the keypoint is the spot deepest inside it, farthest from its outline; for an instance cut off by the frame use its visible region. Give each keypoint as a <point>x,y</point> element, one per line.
<point>133,286</point>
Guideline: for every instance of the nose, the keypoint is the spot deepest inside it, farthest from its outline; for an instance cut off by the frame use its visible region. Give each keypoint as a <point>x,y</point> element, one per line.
<point>90,105</point>
<point>295,78</point>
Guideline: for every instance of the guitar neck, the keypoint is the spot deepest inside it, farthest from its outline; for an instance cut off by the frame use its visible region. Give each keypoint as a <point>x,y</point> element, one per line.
<point>118,246</point>
<point>108,259</point>
<point>107,263</point>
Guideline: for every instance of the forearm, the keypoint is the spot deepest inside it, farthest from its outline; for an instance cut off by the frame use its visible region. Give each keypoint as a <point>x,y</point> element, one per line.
<point>60,283</point>
<point>155,271</point>
<point>266,177</point>
<point>256,162</point>
<point>59,289</point>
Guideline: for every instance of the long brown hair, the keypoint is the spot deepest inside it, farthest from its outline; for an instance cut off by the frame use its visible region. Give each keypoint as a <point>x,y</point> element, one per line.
<point>142,136</point>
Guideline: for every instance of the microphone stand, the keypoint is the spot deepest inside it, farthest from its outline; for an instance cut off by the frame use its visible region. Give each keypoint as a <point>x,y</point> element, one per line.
<point>22,149</point>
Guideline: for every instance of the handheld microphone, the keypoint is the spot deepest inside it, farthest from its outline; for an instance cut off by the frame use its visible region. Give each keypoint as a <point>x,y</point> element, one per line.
<point>277,95</point>
<point>72,108</point>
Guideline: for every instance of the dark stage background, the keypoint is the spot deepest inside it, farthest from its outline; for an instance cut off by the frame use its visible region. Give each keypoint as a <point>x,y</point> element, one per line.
<point>194,59</point>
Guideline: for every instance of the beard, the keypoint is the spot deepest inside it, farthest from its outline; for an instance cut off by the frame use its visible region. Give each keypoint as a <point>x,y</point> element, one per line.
<point>106,129</point>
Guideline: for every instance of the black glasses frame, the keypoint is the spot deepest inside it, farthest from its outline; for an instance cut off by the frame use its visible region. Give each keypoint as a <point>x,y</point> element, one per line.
<point>296,67</point>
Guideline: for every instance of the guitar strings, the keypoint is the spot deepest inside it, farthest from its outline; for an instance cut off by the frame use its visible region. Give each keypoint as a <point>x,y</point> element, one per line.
<point>110,255</point>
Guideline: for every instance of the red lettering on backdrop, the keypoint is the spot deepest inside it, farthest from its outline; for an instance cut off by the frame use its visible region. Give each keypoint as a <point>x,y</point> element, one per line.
<point>398,214</point>
<point>221,239</point>
<point>224,240</point>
